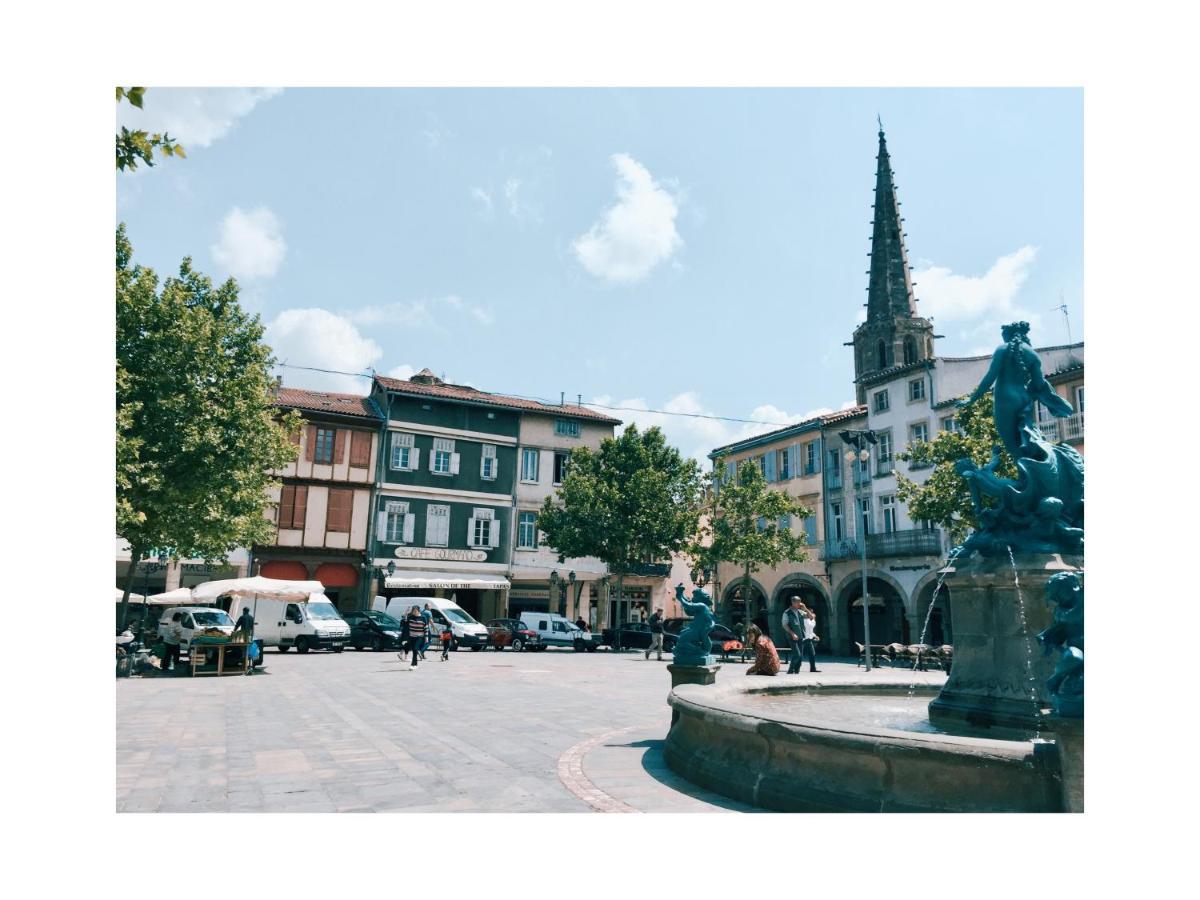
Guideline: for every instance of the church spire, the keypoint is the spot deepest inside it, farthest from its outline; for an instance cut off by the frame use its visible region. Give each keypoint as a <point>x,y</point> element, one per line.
<point>890,292</point>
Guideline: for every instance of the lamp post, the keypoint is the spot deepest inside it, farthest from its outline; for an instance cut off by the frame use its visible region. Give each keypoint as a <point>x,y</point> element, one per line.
<point>861,441</point>
<point>553,589</point>
<point>562,605</point>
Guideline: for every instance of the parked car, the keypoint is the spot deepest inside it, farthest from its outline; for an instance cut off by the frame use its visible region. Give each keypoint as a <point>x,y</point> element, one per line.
<point>195,620</point>
<point>718,634</point>
<point>371,628</point>
<point>635,636</point>
<point>513,633</point>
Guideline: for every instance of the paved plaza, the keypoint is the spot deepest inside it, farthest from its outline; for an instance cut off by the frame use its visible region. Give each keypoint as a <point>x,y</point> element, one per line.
<point>554,731</point>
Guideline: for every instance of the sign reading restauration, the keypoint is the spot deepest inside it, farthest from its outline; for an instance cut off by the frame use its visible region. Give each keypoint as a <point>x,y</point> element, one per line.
<point>441,553</point>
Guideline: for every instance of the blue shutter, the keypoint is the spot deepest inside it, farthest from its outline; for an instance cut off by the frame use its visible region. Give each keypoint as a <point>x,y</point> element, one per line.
<point>817,453</point>
<point>770,458</point>
<point>810,528</point>
<point>730,471</point>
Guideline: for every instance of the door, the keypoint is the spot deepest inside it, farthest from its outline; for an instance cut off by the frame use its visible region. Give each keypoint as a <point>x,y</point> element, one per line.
<point>189,631</point>
<point>291,623</point>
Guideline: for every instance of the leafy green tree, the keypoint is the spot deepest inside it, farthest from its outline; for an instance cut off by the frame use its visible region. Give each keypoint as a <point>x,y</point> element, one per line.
<point>747,524</point>
<point>196,429</point>
<point>944,498</point>
<point>633,501</point>
<point>133,146</point>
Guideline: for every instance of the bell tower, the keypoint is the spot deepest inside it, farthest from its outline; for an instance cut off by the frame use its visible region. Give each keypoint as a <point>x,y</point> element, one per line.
<point>893,335</point>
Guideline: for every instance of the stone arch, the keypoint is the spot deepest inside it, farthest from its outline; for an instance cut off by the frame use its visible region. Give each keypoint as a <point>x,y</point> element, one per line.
<point>816,597</point>
<point>888,620</point>
<point>733,610</point>
<point>941,623</point>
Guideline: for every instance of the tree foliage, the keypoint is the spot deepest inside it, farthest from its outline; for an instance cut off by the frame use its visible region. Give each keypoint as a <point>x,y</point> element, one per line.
<point>633,501</point>
<point>196,429</point>
<point>135,146</point>
<point>747,526</point>
<point>944,497</point>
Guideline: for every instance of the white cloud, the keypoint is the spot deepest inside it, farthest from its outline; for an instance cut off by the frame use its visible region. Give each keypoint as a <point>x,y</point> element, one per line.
<point>401,372</point>
<point>250,244</point>
<point>695,436</point>
<point>948,296</point>
<point>484,199</point>
<point>636,233</point>
<point>320,339</point>
<point>420,313</point>
<point>196,117</point>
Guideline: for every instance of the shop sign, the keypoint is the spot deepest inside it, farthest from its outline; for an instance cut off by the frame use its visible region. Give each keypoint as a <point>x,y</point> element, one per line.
<point>916,568</point>
<point>445,553</point>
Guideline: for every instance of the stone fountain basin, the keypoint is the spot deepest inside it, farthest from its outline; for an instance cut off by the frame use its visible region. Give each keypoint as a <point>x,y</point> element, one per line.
<point>776,743</point>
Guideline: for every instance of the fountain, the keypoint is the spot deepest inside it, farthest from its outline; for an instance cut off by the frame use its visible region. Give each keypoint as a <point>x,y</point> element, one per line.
<point>1004,732</point>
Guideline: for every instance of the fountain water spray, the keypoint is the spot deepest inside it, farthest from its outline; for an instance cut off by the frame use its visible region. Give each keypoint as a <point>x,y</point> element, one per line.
<point>1032,680</point>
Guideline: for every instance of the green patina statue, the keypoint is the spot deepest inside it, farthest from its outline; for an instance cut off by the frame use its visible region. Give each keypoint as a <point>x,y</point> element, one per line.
<point>1065,592</point>
<point>1041,510</point>
<point>693,647</point>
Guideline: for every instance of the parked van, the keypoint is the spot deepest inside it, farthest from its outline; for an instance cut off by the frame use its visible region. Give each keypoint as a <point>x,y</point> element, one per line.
<point>194,620</point>
<point>559,631</point>
<point>315,625</point>
<point>446,613</point>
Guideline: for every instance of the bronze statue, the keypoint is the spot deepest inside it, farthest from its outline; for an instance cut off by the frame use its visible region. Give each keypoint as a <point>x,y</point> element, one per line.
<point>693,647</point>
<point>1065,592</point>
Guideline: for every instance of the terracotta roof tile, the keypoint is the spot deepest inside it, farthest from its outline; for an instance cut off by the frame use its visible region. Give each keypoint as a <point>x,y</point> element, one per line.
<point>470,394</point>
<point>324,401</point>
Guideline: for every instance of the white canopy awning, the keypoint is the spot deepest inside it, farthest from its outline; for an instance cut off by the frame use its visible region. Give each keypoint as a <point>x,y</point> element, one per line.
<point>133,598</point>
<point>178,597</point>
<point>256,586</point>
<point>454,581</point>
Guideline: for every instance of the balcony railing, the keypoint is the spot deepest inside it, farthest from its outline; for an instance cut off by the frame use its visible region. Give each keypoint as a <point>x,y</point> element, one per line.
<point>1068,429</point>
<point>909,542</point>
<point>649,570</point>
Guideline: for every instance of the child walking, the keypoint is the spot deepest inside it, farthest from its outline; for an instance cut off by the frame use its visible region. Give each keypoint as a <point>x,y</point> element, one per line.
<point>447,638</point>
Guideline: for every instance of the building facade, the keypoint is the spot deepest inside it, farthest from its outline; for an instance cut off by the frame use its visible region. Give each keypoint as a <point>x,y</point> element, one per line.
<point>907,394</point>
<point>459,468</point>
<point>322,508</point>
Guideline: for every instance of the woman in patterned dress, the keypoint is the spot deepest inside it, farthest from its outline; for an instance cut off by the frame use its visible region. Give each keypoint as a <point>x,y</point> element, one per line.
<point>766,657</point>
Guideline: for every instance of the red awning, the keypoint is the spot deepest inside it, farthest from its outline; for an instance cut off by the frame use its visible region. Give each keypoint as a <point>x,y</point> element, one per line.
<point>285,570</point>
<point>334,575</point>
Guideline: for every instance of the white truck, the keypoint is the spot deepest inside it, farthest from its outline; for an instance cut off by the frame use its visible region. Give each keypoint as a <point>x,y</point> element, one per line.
<point>446,613</point>
<point>311,625</point>
<point>559,631</point>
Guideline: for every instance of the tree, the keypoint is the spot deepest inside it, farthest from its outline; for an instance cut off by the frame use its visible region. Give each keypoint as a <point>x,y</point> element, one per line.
<point>634,501</point>
<point>747,526</point>
<point>197,432</point>
<point>139,145</point>
<point>944,498</point>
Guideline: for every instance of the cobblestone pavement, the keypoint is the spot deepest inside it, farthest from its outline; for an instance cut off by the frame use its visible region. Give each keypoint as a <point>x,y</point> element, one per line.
<point>554,731</point>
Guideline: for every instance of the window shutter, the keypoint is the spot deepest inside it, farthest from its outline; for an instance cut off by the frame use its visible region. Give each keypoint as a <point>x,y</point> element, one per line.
<point>494,534</point>
<point>454,461</point>
<point>339,445</point>
<point>483,466</point>
<point>410,526</point>
<point>287,504</point>
<point>770,466</point>
<point>310,441</point>
<point>414,459</point>
<point>301,506</point>
<point>381,527</point>
<point>817,455</point>
<point>432,458</point>
<point>730,471</point>
<point>360,449</point>
<point>471,532</point>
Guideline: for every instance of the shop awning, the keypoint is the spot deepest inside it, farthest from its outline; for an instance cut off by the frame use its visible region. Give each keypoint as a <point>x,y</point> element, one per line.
<point>178,597</point>
<point>133,598</point>
<point>256,586</point>
<point>454,581</point>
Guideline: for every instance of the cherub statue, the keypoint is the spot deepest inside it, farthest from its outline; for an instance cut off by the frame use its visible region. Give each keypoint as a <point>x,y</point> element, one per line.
<point>1065,591</point>
<point>693,647</point>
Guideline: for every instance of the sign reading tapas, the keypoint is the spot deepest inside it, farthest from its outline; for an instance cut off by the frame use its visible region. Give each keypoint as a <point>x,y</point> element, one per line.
<point>445,553</point>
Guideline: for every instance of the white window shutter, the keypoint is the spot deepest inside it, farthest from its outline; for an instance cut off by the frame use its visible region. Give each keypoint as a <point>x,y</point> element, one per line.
<point>471,532</point>
<point>454,458</point>
<point>410,524</point>
<point>432,458</point>
<point>414,459</point>
<point>381,526</point>
<point>494,533</point>
<point>483,466</point>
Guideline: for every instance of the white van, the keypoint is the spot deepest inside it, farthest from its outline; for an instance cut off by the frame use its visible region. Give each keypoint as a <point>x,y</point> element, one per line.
<point>314,625</point>
<point>467,632</point>
<point>194,620</point>
<point>559,631</point>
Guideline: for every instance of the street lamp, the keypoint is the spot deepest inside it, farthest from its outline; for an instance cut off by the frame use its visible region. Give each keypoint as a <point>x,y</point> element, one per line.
<point>562,604</point>
<point>553,589</point>
<point>861,441</point>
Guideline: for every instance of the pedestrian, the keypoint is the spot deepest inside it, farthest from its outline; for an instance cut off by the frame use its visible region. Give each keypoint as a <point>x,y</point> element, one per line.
<point>793,627</point>
<point>416,633</point>
<point>809,637</point>
<point>427,615</point>
<point>172,637</point>
<point>656,635</point>
<point>766,657</point>
<point>447,640</point>
<point>403,654</point>
<point>244,628</point>
<point>581,624</point>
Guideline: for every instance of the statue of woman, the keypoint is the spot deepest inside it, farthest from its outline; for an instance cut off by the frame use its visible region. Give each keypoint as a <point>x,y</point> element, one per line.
<point>1016,379</point>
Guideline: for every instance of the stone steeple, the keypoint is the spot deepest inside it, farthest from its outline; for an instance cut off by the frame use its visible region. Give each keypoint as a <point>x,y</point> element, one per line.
<point>893,334</point>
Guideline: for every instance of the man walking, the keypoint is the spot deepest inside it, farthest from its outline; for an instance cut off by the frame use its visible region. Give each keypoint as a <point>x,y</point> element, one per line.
<point>656,635</point>
<point>416,633</point>
<point>172,636</point>
<point>793,627</point>
<point>427,615</point>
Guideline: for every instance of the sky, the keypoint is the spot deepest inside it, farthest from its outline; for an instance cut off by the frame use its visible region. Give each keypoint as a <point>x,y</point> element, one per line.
<point>696,251</point>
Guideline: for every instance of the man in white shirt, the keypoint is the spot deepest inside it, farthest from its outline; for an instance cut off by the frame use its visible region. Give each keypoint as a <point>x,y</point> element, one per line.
<point>809,642</point>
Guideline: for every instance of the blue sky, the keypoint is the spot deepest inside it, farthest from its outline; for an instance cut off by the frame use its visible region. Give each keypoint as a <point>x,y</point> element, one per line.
<point>697,251</point>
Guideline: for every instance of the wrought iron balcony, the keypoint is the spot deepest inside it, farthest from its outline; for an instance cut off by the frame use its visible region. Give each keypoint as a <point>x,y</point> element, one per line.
<point>909,542</point>
<point>649,570</point>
